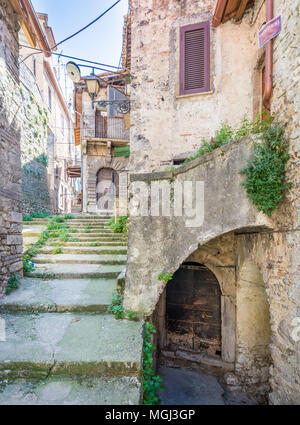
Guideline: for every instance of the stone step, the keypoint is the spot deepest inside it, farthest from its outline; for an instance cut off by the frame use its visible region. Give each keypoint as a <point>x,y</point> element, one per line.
<point>103,243</point>
<point>75,271</point>
<point>80,259</point>
<point>116,250</point>
<point>80,344</point>
<point>60,295</point>
<point>95,239</point>
<point>97,234</point>
<point>93,231</point>
<point>62,390</point>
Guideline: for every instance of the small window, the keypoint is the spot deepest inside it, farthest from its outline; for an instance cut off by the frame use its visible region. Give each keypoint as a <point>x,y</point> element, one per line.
<point>49,98</point>
<point>195,58</point>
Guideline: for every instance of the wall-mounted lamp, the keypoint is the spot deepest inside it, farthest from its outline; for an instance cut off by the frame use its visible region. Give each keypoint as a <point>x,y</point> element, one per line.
<point>93,85</point>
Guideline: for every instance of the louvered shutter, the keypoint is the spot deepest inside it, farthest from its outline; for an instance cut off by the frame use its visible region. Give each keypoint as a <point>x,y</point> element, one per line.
<point>195,58</point>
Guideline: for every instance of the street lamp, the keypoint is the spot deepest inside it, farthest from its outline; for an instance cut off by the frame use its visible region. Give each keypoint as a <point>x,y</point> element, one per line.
<point>93,85</point>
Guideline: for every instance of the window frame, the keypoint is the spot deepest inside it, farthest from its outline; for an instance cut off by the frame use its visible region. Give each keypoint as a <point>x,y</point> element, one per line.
<point>183,31</point>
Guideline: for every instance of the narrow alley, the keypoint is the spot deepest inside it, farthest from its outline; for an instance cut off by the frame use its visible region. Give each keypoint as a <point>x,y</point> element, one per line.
<point>62,347</point>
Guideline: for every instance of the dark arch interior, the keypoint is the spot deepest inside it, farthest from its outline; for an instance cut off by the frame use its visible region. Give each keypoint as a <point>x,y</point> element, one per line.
<point>193,310</point>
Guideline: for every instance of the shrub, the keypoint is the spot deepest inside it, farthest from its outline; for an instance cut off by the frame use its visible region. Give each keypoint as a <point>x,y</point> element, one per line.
<point>69,217</point>
<point>265,171</point>
<point>120,226</point>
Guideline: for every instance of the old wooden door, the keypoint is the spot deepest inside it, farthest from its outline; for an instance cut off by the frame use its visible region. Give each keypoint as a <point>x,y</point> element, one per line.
<point>193,310</point>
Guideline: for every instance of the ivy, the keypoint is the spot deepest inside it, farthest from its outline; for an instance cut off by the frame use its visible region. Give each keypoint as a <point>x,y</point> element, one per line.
<point>265,171</point>
<point>151,381</point>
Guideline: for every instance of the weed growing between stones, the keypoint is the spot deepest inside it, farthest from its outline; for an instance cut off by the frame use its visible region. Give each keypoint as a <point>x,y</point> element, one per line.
<point>57,250</point>
<point>116,306</point>
<point>69,217</point>
<point>28,265</point>
<point>13,283</point>
<point>121,225</point>
<point>132,316</point>
<point>265,171</point>
<point>151,381</point>
<point>87,229</point>
<point>93,244</point>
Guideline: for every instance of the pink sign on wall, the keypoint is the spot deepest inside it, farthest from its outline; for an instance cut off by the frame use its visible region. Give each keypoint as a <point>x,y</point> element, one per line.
<point>270,30</point>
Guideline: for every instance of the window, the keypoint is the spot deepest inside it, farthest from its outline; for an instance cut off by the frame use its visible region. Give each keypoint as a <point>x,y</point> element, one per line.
<point>49,98</point>
<point>115,94</point>
<point>195,58</point>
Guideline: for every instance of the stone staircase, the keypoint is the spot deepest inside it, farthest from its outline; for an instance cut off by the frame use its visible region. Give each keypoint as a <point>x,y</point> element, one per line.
<point>61,346</point>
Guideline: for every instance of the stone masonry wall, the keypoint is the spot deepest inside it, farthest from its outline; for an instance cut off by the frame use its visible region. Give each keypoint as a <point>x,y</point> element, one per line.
<point>10,163</point>
<point>284,248</point>
<point>34,155</point>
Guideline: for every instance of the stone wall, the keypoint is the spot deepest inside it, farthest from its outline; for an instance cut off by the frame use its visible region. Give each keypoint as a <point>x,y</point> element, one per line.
<point>285,251</point>
<point>10,164</point>
<point>249,254</point>
<point>34,152</point>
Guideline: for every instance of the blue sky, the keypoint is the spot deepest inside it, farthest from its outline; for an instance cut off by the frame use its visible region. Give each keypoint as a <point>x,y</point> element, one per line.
<point>102,42</point>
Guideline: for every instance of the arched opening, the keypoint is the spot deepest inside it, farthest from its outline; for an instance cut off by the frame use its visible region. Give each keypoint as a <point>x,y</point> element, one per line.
<point>193,310</point>
<point>106,189</point>
<point>253,330</point>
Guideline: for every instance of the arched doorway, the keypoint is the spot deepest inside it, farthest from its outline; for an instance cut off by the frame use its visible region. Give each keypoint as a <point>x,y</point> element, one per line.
<point>193,310</point>
<point>106,189</point>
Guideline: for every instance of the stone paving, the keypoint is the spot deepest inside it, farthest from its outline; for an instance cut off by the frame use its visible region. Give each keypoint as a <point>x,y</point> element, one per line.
<point>61,346</point>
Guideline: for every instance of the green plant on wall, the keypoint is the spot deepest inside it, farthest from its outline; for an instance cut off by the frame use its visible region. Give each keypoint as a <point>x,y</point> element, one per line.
<point>265,171</point>
<point>165,277</point>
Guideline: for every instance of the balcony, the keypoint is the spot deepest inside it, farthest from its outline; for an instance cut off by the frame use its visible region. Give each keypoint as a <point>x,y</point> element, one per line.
<point>107,129</point>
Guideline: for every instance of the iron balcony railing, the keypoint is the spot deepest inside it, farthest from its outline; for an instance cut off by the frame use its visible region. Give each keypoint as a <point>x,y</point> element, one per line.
<point>111,128</point>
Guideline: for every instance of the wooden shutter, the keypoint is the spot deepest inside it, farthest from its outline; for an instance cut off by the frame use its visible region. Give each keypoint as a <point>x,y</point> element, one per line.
<point>195,58</point>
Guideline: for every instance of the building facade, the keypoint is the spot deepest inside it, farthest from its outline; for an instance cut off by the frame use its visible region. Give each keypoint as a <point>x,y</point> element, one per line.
<point>104,136</point>
<point>232,306</point>
<point>48,142</point>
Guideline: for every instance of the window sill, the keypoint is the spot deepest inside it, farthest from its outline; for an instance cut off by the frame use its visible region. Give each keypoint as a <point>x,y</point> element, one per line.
<point>183,96</point>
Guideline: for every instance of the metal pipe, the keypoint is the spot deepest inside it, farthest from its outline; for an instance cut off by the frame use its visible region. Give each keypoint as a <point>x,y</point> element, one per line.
<point>269,60</point>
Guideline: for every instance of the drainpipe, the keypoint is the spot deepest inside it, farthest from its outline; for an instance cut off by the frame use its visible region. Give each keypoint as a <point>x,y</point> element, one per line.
<point>269,60</point>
